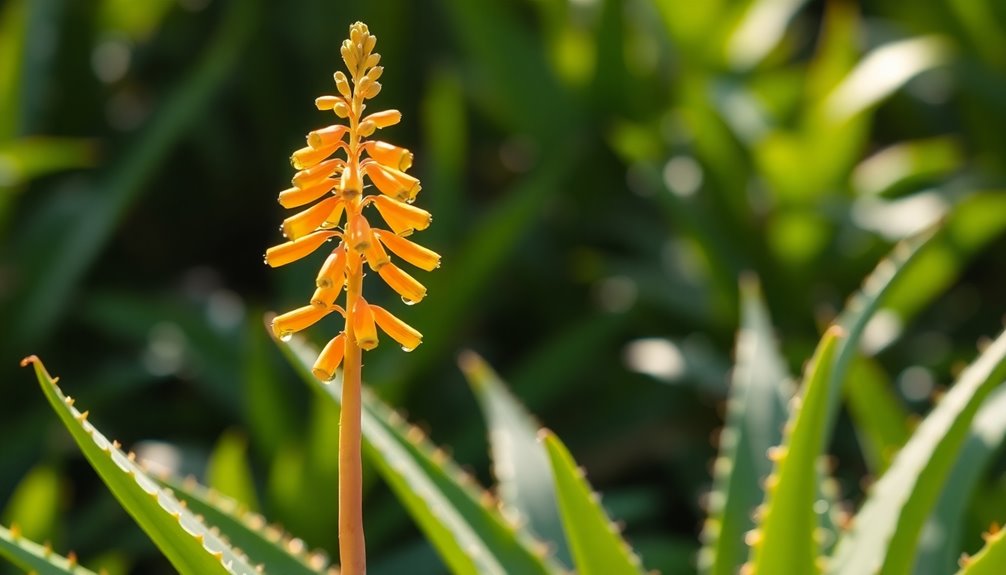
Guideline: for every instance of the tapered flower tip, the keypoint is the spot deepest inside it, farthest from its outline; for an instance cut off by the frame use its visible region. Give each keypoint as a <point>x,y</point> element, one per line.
<point>292,251</point>
<point>403,218</point>
<point>411,252</point>
<point>289,323</point>
<point>392,182</point>
<point>330,358</point>
<point>399,331</point>
<point>411,290</point>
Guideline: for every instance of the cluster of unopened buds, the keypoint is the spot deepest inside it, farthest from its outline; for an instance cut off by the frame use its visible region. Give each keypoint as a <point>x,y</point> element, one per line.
<point>339,183</point>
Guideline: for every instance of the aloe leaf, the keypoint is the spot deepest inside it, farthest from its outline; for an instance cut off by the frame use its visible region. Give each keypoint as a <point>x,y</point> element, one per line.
<point>786,540</point>
<point>991,560</point>
<point>863,304</point>
<point>526,488</point>
<point>35,558</point>
<point>939,549</point>
<point>183,538</point>
<point>459,520</point>
<point>756,412</point>
<point>597,547</point>
<point>886,530</point>
<point>265,544</point>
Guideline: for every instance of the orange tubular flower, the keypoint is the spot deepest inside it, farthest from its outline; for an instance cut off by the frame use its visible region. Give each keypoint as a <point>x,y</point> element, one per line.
<point>330,358</point>
<point>335,168</point>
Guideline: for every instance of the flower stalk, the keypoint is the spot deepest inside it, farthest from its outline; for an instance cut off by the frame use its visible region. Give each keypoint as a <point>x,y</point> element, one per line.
<point>337,186</point>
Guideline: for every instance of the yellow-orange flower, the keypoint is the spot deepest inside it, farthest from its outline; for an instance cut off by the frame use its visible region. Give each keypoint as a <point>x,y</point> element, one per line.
<point>334,169</point>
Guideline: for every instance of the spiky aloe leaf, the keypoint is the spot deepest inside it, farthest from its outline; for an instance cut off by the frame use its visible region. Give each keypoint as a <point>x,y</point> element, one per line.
<point>460,521</point>
<point>526,488</point>
<point>991,560</point>
<point>861,307</point>
<point>756,412</point>
<point>35,558</point>
<point>785,542</point>
<point>265,544</point>
<point>183,538</point>
<point>597,547</point>
<point>940,546</point>
<point>886,530</point>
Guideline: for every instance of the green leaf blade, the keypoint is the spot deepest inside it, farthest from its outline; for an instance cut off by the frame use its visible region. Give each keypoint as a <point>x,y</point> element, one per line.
<point>885,534</point>
<point>786,542</point>
<point>597,547</point>
<point>991,560</point>
<point>756,413</point>
<point>247,530</point>
<point>35,558</point>
<point>520,462</point>
<point>178,533</point>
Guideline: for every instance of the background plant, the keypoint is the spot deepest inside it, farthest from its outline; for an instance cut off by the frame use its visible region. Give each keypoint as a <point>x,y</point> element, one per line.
<point>605,168</point>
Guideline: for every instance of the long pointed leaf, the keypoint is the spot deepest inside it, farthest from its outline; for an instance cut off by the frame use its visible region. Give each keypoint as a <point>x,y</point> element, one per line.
<point>526,488</point>
<point>597,547</point>
<point>35,558</point>
<point>460,521</point>
<point>886,530</point>
<point>756,412</point>
<point>183,538</point>
<point>264,544</point>
<point>991,560</point>
<point>785,543</point>
<point>940,549</point>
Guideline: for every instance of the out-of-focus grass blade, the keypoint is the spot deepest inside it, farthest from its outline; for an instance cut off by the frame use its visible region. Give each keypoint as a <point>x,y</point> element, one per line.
<point>446,129</point>
<point>265,544</point>
<point>905,164</point>
<point>507,60</point>
<point>50,280</point>
<point>34,505</point>
<point>597,547</point>
<point>940,546</point>
<point>882,72</point>
<point>973,223</point>
<point>786,540</point>
<point>756,412</point>
<point>27,158</point>
<point>13,27</point>
<point>228,470</point>
<point>188,543</point>
<point>35,558</point>
<point>520,463</point>
<point>760,30</point>
<point>991,560</point>
<point>881,422</point>
<point>459,520</point>
<point>885,531</point>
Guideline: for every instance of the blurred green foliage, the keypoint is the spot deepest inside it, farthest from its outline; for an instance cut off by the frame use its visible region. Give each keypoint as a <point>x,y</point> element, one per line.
<point>601,173</point>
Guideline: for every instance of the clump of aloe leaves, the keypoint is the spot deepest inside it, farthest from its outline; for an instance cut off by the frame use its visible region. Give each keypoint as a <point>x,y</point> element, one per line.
<point>762,154</point>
